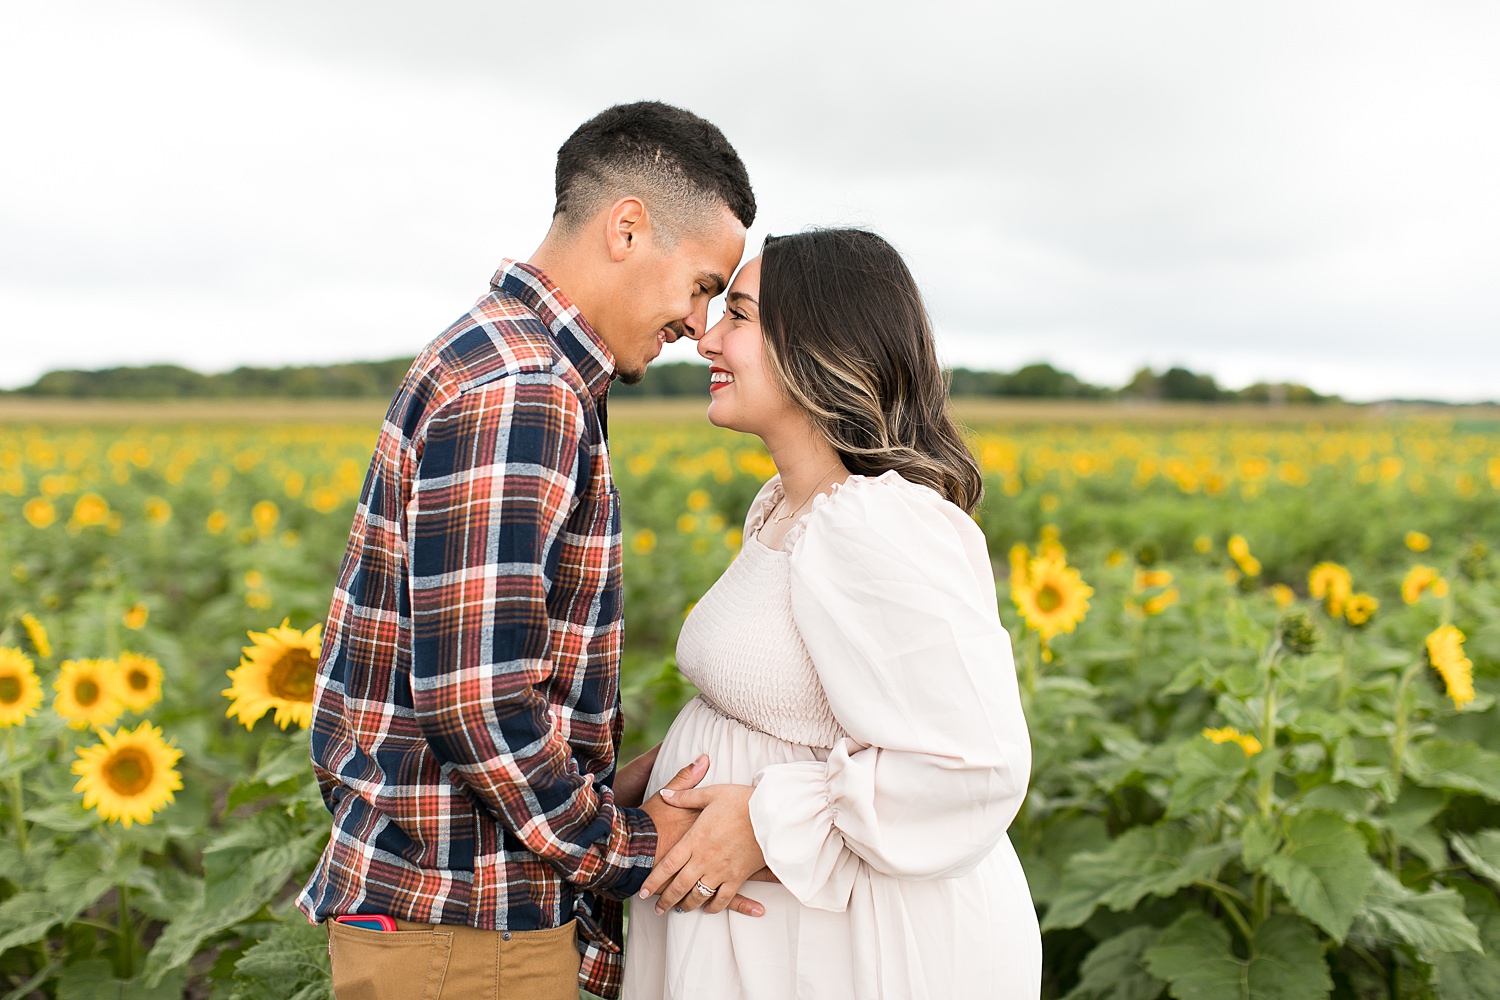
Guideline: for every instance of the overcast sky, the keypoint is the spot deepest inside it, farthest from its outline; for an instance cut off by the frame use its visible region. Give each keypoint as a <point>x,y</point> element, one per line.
<point>1301,191</point>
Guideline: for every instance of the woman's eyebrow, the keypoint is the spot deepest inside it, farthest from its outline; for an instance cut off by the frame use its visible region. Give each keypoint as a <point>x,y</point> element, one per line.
<point>732,296</point>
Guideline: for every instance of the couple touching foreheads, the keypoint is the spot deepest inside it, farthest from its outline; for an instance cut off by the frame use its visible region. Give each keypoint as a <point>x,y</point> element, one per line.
<point>827,819</point>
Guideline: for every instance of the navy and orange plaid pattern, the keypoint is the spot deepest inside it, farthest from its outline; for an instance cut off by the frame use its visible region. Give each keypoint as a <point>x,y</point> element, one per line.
<point>467,712</point>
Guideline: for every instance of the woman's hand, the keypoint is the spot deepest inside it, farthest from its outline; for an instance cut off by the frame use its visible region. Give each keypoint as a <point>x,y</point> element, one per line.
<point>631,780</point>
<point>719,850</point>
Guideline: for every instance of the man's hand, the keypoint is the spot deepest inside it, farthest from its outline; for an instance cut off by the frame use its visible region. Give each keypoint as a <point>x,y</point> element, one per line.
<point>631,780</point>
<point>672,822</point>
<point>719,851</point>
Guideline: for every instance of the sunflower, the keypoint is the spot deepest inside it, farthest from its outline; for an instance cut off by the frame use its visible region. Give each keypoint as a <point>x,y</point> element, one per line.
<point>1239,551</point>
<point>1283,594</point>
<point>1420,580</point>
<point>265,514</point>
<point>1445,651</point>
<point>1149,579</point>
<point>140,681</point>
<point>39,513</point>
<point>90,511</point>
<point>1330,583</point>
<point>1160,602</point>
<point>643,542</point>
<point>1145,579</point>
<point>1054,597</point>
<point>278,672</point>
<point>1229,734</point>
<point>130,776</point>
<point>20,689</point>
<point>88,693</point>
<point>1359,609</point>
<point>158,511</point>
<point>36,634</point>
<point>1418,542</point>
<point>136,616</point>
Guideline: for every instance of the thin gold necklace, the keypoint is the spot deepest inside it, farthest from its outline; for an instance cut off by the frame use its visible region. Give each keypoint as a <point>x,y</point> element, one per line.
<point>818,484</point>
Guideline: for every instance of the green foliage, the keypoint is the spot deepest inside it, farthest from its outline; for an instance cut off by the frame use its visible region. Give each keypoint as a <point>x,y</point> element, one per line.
<point>1323,868</point>
<point>1284,961</point>
<point>1344,840</point>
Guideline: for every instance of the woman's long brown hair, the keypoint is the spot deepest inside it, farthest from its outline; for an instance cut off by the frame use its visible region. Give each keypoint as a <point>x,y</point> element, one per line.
<point>848,338</point>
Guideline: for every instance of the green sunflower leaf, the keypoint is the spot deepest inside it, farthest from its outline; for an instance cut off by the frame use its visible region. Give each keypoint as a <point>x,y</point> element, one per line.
<point>1114,970</point>
<point>1145,861</point>
<point>1462,767</point>
<point>1323,868</point>
<point>1207,774</point>
<point>1481,852</point>
<point>1432,922</point>
<point>1285,961</point>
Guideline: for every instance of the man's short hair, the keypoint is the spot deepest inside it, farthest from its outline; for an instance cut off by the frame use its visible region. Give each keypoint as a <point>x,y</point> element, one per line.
<point>679,164</point>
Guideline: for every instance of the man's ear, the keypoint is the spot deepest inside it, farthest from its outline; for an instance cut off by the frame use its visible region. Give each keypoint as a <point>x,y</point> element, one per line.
<point>625,225</point>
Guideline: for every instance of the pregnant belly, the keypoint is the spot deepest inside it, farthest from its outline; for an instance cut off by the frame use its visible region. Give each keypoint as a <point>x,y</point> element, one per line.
<point>736,753</point>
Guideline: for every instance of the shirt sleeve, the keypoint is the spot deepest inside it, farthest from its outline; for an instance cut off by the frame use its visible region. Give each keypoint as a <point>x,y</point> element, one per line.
<point>497,477</point>
<point>893,593</point>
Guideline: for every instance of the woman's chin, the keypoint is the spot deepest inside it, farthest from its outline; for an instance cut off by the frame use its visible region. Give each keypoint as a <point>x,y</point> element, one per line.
<point>719,417</point>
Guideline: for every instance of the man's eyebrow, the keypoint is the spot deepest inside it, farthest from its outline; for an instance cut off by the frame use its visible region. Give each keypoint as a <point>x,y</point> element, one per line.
<point>714,280</point>
<point>734,296</point>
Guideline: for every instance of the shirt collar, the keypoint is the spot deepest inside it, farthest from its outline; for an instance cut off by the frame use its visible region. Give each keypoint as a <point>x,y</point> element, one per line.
<point>583,347</point>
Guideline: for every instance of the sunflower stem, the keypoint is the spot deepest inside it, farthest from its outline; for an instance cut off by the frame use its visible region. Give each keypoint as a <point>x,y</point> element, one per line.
<point>1265,797</point>
<point>17,799</point>
<point>1030,663</point>
<point>125,967</point>
<point>1345,681</point>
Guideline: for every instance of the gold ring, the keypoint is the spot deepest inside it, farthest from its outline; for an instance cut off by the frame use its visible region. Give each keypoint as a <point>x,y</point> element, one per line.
<point>702,889</point>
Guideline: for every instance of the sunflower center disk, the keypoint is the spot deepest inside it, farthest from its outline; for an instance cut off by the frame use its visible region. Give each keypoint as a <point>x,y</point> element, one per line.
<point>294,676</point>
<point>86,692</point>
<point>138,680</point>
<point>129,772</point>
<point>1048,599</point>
<point>10,690</point>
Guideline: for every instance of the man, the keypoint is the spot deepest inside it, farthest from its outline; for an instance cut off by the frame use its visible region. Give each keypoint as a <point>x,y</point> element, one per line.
<point>467,715</point>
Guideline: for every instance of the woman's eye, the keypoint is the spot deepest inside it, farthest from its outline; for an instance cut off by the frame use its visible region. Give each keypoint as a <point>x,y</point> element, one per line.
<point>735,313</point>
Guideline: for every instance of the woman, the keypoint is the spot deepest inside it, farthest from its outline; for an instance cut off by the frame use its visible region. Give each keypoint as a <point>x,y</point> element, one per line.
<point>859,710</point>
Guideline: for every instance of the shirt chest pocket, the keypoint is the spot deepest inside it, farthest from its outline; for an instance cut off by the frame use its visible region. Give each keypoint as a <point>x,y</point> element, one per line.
<point>588,572</point>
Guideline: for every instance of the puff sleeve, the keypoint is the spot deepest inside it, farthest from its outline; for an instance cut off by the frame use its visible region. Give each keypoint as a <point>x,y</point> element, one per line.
<point>894,595</point>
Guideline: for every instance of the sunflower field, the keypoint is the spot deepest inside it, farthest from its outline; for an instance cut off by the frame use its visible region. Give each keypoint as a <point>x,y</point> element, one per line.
<point>1260,660</point>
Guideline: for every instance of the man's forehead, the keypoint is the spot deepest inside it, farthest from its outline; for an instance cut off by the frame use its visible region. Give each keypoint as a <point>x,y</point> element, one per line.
<point>718,256</point>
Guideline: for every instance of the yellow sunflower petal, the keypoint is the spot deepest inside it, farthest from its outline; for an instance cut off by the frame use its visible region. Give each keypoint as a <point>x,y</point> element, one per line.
<point>130,776</point>
<point>277,672</point>
<point>20,688</point>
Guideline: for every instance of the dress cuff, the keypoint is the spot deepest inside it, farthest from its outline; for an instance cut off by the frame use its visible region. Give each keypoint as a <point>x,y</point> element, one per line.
<point>793,820</point>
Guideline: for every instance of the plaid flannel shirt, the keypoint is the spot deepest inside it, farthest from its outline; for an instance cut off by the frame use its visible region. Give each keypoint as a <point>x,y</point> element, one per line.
<point>467,713</point>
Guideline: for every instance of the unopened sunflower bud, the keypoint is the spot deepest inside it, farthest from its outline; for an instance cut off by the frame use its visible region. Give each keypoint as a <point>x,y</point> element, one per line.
<point>1298,633</point>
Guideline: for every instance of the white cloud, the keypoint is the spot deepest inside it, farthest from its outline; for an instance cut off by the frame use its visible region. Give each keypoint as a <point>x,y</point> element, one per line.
<point>1270,190</point>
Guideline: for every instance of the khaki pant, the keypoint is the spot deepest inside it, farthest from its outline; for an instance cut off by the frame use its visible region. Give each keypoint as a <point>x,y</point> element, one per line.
<point>446,962</point>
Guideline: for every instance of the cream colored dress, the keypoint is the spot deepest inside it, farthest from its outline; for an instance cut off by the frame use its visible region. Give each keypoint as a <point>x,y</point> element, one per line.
<point>861,680</point>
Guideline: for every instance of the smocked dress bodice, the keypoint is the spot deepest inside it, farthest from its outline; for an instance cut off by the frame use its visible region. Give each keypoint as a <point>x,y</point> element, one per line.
<point>740,646</point>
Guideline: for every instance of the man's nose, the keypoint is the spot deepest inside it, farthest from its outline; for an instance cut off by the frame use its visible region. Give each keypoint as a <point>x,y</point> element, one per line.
<point>696,323</point>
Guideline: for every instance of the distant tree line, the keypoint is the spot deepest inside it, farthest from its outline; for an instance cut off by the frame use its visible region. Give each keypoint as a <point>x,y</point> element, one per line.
<point>1034,381</point>
<point>357,380</point>
<point>379,379</point>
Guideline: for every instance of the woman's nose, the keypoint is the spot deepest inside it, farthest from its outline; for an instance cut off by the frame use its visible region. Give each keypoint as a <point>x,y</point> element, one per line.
<point>708,344</point>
